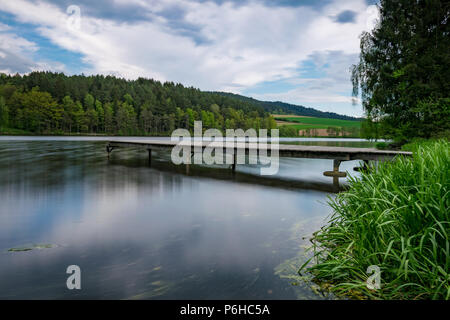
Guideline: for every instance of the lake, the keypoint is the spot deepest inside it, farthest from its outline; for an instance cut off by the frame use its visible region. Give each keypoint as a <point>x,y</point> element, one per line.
<point>140,232</point>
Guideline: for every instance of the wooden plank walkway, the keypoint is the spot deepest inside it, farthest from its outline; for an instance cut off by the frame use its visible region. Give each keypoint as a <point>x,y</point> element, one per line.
<point>338,154</point>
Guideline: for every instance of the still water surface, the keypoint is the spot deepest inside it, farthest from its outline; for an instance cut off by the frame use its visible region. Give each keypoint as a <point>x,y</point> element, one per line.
<point>155,233</point>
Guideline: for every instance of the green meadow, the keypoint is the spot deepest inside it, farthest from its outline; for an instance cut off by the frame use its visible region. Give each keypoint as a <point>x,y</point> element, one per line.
<point>320,123</point>
<point>294,123</point>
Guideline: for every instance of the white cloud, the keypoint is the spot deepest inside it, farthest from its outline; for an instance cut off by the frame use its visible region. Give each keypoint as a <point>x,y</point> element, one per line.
<point>15,53</point>
<point>241,45</point>
<point>332,90</point>
<point>4,27</point>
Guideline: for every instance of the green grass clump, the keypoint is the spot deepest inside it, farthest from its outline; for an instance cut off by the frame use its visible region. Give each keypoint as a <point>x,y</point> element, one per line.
<point>396,217</point>
<point>381,145</point>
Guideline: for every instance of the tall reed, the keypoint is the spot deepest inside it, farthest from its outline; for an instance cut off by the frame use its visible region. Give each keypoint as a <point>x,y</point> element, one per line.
<point>396,217</point>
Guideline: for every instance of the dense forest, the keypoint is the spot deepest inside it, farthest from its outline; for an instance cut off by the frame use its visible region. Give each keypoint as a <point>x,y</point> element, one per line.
<point>53,103</point>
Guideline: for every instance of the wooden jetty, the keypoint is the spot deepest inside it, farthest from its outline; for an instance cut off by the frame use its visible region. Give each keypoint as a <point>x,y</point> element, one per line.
<point>337,154</point>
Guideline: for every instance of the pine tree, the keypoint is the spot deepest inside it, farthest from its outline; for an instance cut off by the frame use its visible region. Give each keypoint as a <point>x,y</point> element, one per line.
<point>101,116</point>
<point>4,113</point>
<point>109,118</point>
<point>68,118</point>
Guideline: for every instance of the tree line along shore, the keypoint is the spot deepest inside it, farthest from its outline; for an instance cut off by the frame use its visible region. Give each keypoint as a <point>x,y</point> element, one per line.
<point>53,103</point>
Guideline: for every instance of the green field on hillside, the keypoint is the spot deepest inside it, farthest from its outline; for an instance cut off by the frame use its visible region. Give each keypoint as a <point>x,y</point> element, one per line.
<point>291,125</point>
<point>319,123</point>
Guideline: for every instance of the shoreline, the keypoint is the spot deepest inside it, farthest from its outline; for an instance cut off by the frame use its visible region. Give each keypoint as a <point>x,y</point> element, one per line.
<point>157,135</point>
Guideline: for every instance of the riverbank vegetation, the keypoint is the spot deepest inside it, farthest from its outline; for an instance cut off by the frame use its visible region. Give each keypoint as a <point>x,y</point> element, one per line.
<point>396,217</point>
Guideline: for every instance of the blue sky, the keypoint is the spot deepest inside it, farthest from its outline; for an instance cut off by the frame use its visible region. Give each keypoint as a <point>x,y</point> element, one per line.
<point>293,51</point>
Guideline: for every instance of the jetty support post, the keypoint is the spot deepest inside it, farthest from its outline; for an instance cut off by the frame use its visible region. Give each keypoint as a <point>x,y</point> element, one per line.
<point>149,157</point>
<point>366,164</point>
<point>364,167</point>
<point>335,172</point>
<point>188,165</point>
<point>233,166</point>
<point>109,149</point>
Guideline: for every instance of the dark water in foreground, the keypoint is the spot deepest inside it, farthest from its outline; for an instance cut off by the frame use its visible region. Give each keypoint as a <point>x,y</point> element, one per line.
<point>153,233</point>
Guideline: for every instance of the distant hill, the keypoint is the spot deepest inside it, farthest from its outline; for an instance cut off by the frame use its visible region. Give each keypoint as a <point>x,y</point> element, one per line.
<point>278,107</point>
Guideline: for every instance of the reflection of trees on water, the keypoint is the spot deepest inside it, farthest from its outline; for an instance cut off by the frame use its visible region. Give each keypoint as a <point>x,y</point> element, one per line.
<point>56,164</point>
